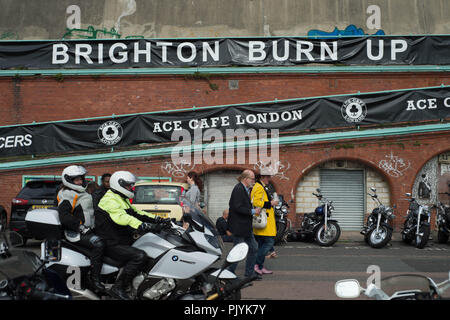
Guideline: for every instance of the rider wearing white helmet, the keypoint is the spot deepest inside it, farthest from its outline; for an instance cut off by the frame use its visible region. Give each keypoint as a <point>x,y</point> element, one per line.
<point>115,220</point>
<point>76,214</point>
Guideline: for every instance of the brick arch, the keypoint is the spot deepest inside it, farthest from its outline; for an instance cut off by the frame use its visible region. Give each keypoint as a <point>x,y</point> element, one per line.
<point>350,158</point>
<point>420,166</point>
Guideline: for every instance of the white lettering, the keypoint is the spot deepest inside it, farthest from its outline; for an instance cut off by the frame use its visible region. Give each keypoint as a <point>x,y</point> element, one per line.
<point>256,47</point>
<point>275,51</point>
<point>380,50</point>
<point>60,49</point>
<point>208,50</point>
<point>123,55</point>
<point>324,48</point>
<point>83,50</point>
<point>180,52</point>
<point>397,46</point>
<point>164,46</point>
<point>147,51</point>
<point>306,51</point>
<point>373,21</point>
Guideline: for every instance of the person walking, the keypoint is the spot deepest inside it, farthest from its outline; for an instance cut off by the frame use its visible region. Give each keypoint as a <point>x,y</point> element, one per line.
<point>265,236</point>
<point>195,188</point>
<point>240,220</point>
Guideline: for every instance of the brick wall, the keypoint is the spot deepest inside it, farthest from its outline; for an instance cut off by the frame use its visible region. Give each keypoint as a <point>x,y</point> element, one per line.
<point>50,98</point>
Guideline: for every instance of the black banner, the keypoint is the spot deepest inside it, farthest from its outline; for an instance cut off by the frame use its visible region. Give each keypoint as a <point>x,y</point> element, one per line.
<point>150,53</point>
<point>286,116</point>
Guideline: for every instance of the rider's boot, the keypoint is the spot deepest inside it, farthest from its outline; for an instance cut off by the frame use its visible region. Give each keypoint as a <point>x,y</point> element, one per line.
<point>119,289</point>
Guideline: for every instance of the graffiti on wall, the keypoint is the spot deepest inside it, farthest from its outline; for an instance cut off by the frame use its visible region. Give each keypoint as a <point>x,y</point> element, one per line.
<point>394,165</point>
<point>9,35</point>
<point>177,170</point>
<point>278,167</point>
<point>350,30</point>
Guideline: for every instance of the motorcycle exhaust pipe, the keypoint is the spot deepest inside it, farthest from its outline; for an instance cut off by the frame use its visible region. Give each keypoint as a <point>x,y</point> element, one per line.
<point>86,293</point>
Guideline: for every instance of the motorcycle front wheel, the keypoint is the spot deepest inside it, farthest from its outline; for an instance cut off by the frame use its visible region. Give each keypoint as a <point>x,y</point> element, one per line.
<point>421,240</point>
<point>281,231</point>
<point>379,239</point>
<point>330,236</point>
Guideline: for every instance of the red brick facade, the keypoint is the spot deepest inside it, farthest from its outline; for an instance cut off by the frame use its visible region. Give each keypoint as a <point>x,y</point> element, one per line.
<point>28,99</point>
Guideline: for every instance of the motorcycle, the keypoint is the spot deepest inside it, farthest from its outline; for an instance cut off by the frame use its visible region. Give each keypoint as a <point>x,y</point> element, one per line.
<point>398,287</point>
<point>417,224</point>
<point>378,232</point>
<point>282,222</point>
<point>318,225</point>
<point>443,221</point>
<point>180,261</point>
<point>25,275</point>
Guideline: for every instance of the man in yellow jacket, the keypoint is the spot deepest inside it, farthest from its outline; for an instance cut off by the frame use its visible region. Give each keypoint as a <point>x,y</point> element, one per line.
<point>266,236</point>
<point>115,220</point>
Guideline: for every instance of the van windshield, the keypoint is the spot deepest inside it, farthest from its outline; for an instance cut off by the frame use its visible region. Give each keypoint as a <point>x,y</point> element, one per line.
<point>157,194</point>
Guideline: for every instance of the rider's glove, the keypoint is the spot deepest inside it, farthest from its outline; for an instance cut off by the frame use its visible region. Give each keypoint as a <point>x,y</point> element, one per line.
<point>149,227</point>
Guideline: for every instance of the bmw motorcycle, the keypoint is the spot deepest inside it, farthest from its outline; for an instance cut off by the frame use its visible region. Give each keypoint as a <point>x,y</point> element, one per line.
<point>442,221</point>
<point>282,222</point>
<point>23,276</point>
<point>318,225</point>
<point>416,227</point>
<point>179,265</point>
<point>378,231</point>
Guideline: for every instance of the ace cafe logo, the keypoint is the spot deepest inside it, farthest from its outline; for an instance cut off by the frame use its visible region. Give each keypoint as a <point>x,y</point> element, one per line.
<point>354,110</point>
<point>110,133</point>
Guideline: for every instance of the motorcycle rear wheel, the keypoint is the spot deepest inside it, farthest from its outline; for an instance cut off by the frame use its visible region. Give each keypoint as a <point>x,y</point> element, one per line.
<point>381,239</point>
<point>421,241</point>
<point>328,238</point>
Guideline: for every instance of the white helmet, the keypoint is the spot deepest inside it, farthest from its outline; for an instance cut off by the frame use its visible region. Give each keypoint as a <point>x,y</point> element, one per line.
<point>120,180</point>
<point>70,173</point>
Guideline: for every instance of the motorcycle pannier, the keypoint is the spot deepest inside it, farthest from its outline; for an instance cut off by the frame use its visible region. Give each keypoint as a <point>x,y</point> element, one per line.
<point>44,224</point>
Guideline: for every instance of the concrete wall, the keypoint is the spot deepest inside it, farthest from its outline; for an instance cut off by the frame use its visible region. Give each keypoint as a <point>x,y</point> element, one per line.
<point>54,19</point>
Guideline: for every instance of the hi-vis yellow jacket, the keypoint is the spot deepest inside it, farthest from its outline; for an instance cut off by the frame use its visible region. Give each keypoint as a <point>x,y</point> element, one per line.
<point>260,199</point>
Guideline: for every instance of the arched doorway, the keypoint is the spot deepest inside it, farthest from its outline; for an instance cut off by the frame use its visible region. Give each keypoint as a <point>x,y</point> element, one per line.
<point>346,183</point>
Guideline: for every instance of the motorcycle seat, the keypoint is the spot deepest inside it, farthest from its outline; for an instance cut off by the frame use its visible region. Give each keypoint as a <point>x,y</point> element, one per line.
<point>87,252</point>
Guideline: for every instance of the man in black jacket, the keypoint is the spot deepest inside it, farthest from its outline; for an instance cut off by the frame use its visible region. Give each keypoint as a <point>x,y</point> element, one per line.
<point>240,220</point>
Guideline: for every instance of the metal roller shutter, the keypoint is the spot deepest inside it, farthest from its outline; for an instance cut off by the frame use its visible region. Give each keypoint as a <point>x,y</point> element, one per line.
<point>218,187</point>
<point>346,189</point>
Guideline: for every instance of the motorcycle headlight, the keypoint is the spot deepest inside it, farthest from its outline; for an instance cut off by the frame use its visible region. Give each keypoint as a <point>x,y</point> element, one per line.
<point>284,209</point>
<point>278,207</point>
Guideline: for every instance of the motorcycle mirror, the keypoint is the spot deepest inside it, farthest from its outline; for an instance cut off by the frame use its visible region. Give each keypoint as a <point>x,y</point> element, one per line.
<point>318,190</point>
<point>408,194</point>
<point>373,189</point>
<point>237,253</point>
<point>347,289</point>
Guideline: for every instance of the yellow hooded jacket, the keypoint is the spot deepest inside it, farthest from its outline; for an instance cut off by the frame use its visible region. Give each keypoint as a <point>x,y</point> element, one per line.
<point>260,199</point>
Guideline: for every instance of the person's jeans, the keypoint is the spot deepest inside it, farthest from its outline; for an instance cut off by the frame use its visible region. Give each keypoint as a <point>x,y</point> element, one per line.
<point>264,245</point>
<point>251,256</point>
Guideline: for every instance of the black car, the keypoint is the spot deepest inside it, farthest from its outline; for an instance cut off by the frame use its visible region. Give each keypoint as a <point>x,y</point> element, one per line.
<point>36,194</point>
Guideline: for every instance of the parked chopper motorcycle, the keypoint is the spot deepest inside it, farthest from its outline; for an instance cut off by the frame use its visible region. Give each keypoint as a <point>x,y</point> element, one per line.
<point>25,276</point>
<point>378,232</point>
<point>397,287</point>
<point>179,267</point>
<point>416,227</point>
<point>443,221</point>
<point>318,225</point>
<point>282,222</point>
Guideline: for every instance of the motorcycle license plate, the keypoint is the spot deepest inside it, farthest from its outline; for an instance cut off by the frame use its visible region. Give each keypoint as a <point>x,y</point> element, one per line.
<point>39,206</point>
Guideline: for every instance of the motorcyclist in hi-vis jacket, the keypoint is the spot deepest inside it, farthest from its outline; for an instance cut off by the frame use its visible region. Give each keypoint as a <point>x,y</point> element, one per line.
<point>115,221</point>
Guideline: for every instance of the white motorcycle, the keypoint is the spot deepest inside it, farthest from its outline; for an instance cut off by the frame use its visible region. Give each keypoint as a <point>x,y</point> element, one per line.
<point>398,287</point>
<point>180,262</point>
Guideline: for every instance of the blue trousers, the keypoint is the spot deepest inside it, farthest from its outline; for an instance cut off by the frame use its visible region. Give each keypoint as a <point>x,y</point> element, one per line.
<point>264,245</point>
<point>251,256</point>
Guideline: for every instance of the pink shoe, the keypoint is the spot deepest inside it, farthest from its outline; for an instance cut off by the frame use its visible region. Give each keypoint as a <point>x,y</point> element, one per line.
<point>265,271</point>
<point>257,270</point>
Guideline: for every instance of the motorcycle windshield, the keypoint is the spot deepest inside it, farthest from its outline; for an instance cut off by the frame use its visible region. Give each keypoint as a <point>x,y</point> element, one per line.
<point>18,263</point>
<point>405,282</point>
<point>199,217</point>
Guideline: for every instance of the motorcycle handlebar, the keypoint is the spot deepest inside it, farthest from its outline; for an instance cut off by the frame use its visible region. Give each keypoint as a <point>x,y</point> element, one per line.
<point>231,287</point>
